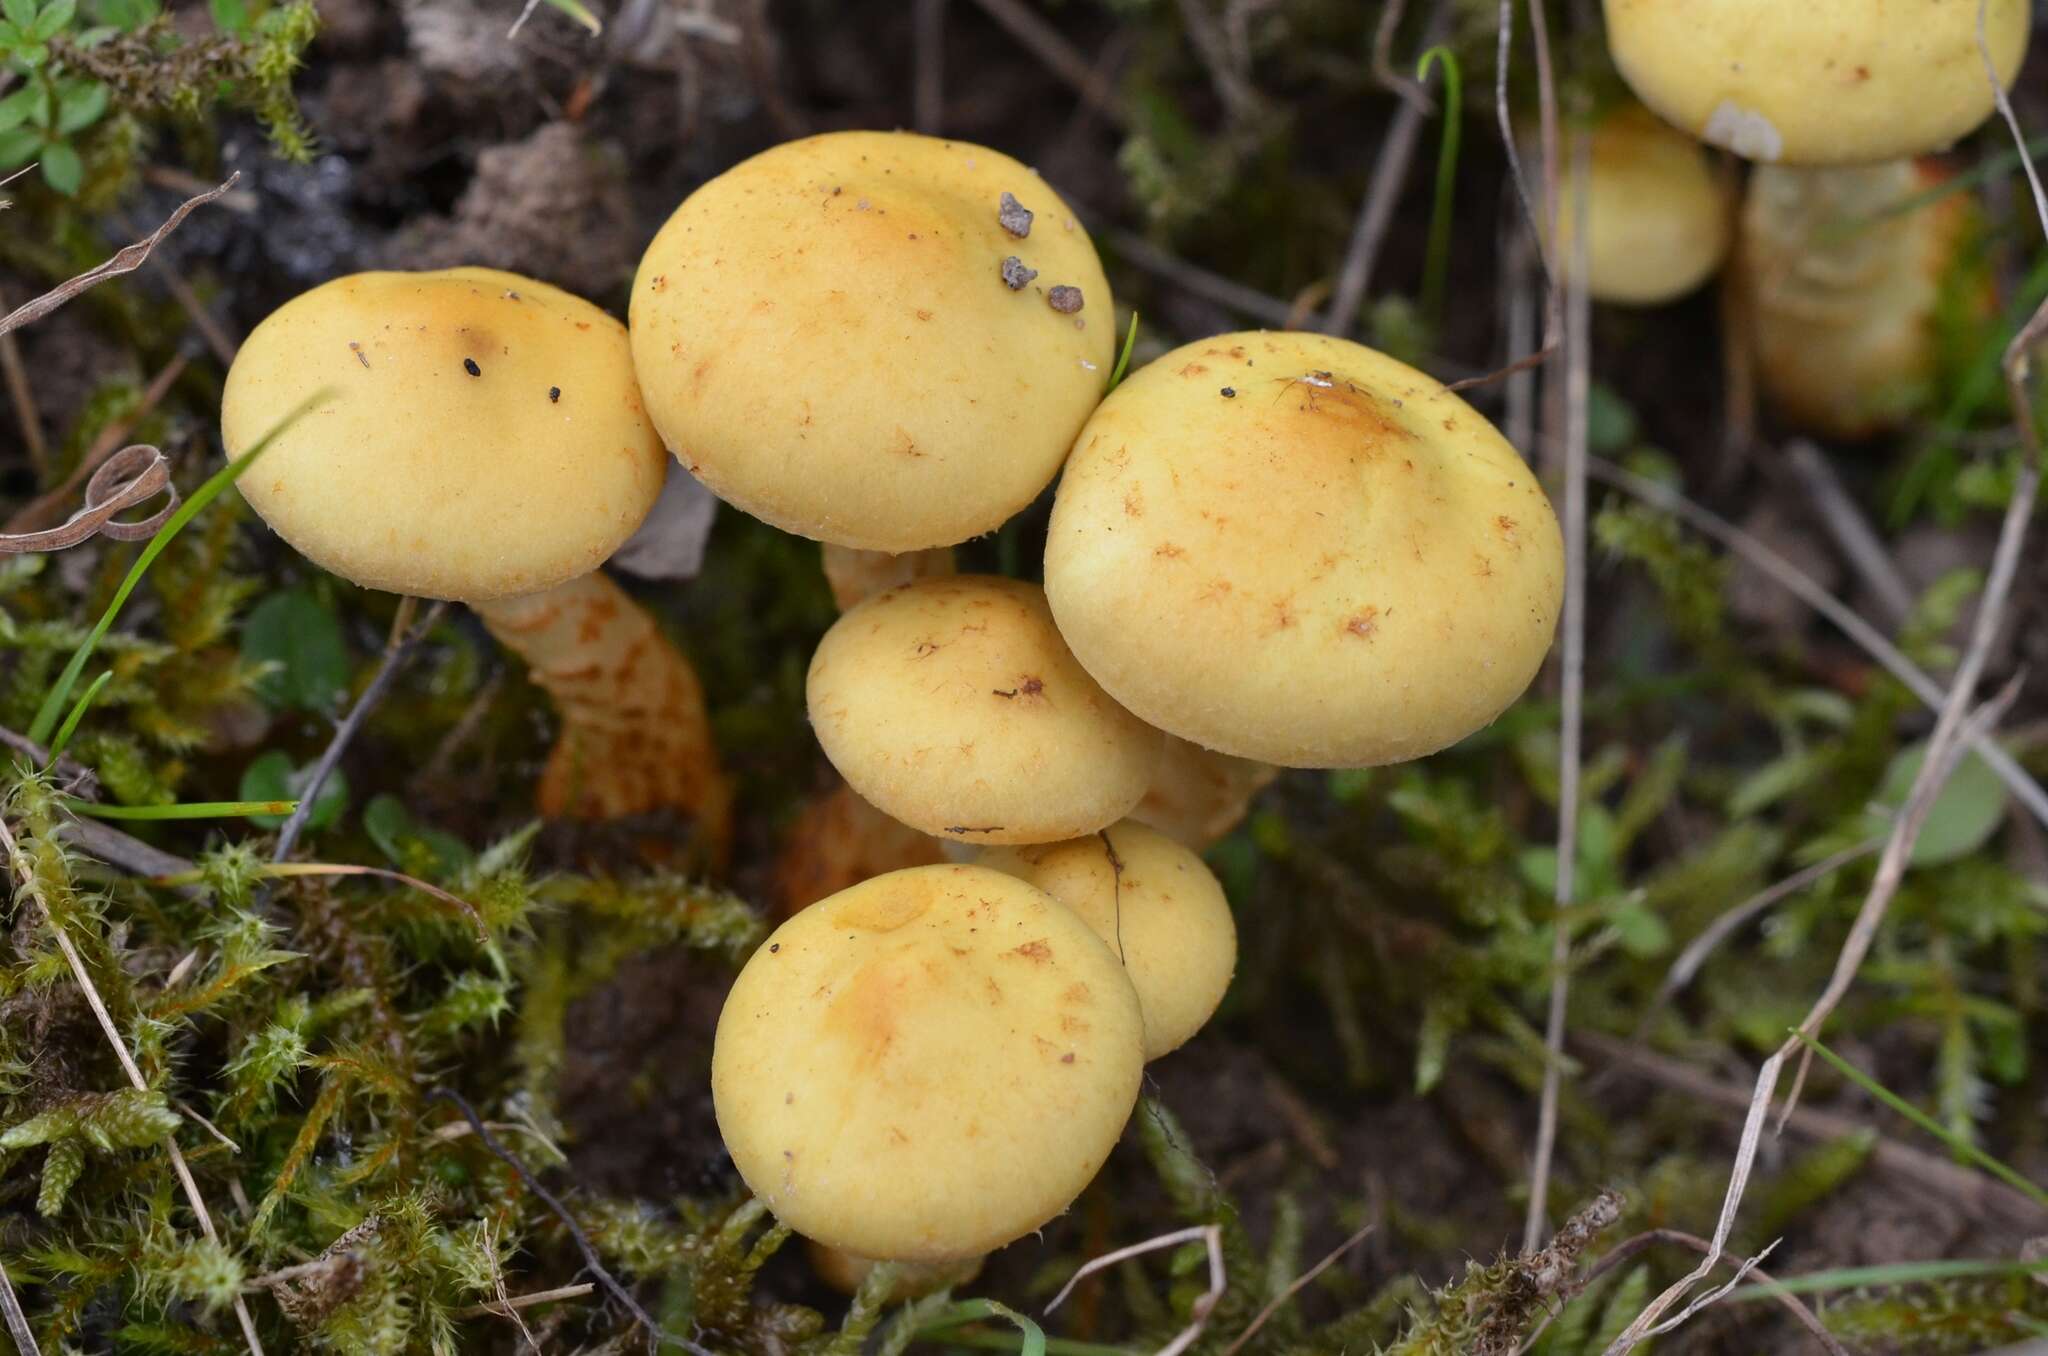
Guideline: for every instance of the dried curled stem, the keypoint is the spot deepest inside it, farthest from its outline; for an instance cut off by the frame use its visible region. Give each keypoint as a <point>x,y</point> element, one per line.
<point>635,737</point>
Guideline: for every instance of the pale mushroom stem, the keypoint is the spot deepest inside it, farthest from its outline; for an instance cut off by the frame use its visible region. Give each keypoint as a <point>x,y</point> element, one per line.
<point>635,737</point>
<point>855,574</point>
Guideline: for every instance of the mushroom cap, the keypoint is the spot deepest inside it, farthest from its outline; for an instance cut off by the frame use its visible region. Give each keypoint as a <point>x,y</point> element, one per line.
<point>1657,219</point>
<point>825,338</point>
<point>953,705</point>
<point>1198,796</point>
<point>417,474</point>
<point>1844,296</point>
<point>928,1065</point>
<point>1817,82</point>
<point>1161,911</point>
<point>1291,548</point>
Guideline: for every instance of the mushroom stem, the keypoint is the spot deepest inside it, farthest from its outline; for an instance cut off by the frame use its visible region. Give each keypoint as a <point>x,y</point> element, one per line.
<point>855,574</point>
<point>1197,797</point>
<point>635,737</point>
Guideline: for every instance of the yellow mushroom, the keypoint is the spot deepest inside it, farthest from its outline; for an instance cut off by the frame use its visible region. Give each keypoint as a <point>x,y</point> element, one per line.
<point>839,337</point>
<point>954,706</point>
<point>1291,548</point>
<point>1657,217</point>
<point>1817,82</point>
<point>1841,292</point>
<point>1197,796</point>
<point>482,440</point>
<point>928,1065</point>
<point>1161,911</point>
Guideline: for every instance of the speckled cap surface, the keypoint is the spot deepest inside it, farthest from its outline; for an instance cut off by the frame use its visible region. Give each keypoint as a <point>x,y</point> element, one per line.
<point>1291,548</point>
<point>1159,908</point>
<point>482,435</point>
<point>926,1066</point>
<point>827,338</point>
<point>1817,82</point>
<point>953,705</point>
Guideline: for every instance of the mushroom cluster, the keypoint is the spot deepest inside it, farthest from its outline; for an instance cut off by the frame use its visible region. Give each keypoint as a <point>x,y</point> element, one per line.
<point>1267,549</point>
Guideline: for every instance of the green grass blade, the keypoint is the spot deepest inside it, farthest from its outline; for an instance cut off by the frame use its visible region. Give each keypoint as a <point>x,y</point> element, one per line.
<point>197,809</point>
<point>60,691</point>
<point>1032,1343</point>
<point>78,707</point>
<point>1436,265</point>
<point>1891,1273</point>
<point>580,14</point>
<point>1123,359</point>
<point>1963,1149</point>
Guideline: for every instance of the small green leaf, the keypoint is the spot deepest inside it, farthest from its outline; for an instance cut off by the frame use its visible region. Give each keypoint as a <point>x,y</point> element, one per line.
<point>230,16</point>
<point>1641,931</point>
<point>272,777</point>
<point>1971,806</point>
<point>392,828</point>
<point>16,107</point>
<point>579,13</point>
<point>10,36</point>
<point>20,13</point>
<point>299,635</point>
<point>79,106</point>
<point>78,710</point>
<point>53,20</point>
<point>62,169</point>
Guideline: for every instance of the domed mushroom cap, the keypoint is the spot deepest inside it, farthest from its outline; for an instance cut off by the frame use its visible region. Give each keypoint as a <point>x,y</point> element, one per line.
<point>953,705</point>
<point>928,1065</point>
<point>1657,221</point>
<point>1291,548</point>
<point>1161,911</point>
<point>1817,82</point>
<point>827,339</point>
<point>484,437</point>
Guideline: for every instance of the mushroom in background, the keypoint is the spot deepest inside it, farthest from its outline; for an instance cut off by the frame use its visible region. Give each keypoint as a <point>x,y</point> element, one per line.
<point>954,706</point>
<point>1842,292</point>
<point>1290,548</point>
<point>484,442</point>
<point>1197,797</point>
<point>856,575</point>
<point>1159,909</point>
<point>1657,215</point>
<point>838,841</point>
<point>1817,82</point>
<point>875,339</point>
<point>928,1065</point>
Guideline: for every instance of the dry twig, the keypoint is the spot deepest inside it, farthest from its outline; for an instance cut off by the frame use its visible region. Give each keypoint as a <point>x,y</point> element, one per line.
<point>127,260</point>
<point>1578,343</point>
<point>1382,196</point>
<point>395,655</point>
<point>17,1321</point>
<point>1058,55</point>
<point>1209,1234</point>
<point>1295,1286</point>
<point>1852,532</point>
<point>45,509</point>
<point>1851,624</point>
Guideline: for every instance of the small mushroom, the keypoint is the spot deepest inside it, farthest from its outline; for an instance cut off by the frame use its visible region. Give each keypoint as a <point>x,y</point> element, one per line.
<point>1817,82</point>
<point>1160,910</point>
<point>1349,567</point>
<point>1842,294</point>
<point>1198,796</point>
<point>953,706</point>
<point>862,377</point>
<point>846,1273</point>
<point>1657,216</point>
<point>948,1032</point>
<point>441,466</point>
